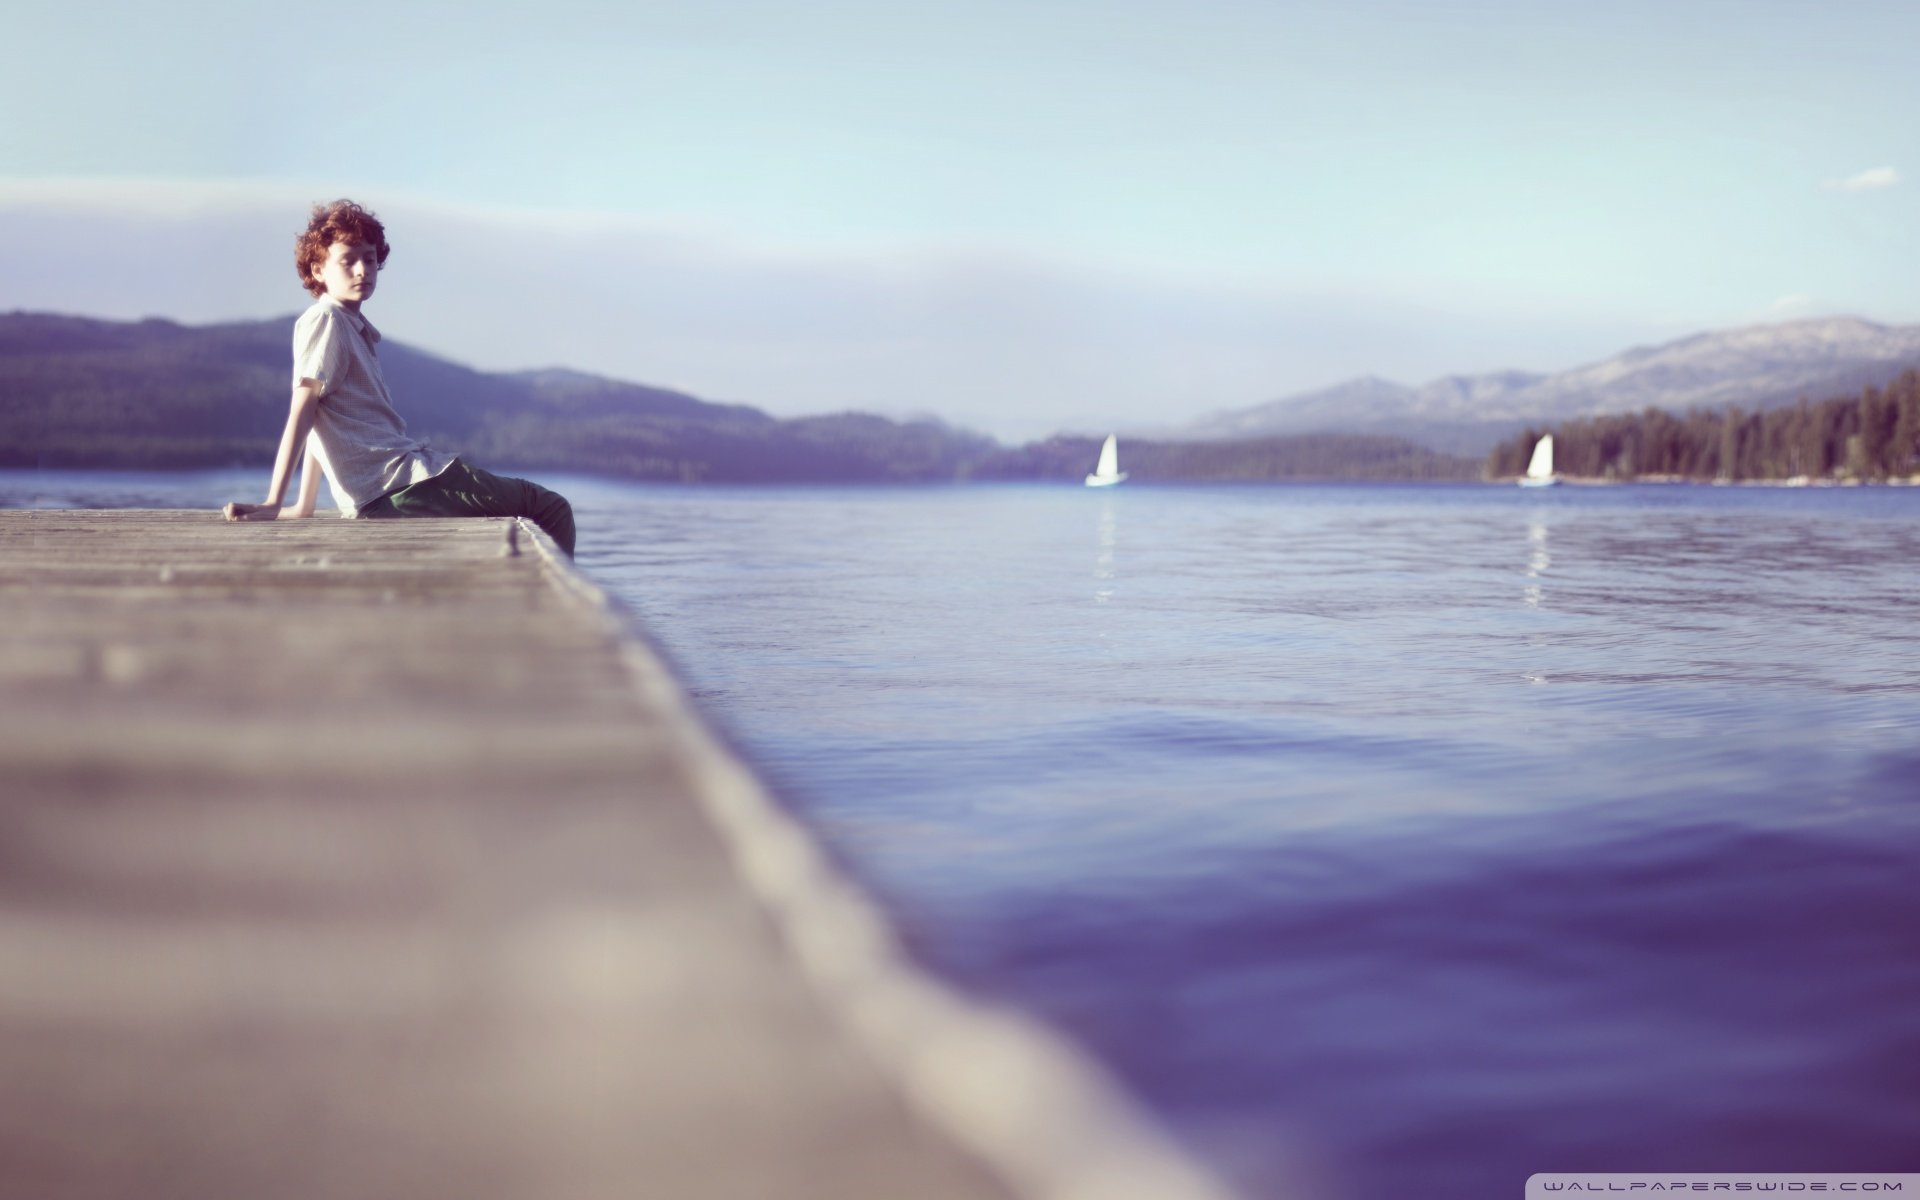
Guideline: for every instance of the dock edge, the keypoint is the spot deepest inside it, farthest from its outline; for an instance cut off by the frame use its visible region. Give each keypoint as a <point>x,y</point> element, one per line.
<point>1034,1110</point>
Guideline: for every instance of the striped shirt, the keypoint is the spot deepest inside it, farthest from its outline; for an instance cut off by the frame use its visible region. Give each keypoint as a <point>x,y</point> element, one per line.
<point>360,441</point>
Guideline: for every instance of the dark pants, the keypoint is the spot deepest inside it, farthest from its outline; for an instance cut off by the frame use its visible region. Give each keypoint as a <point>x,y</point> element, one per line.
<point>464,491</point>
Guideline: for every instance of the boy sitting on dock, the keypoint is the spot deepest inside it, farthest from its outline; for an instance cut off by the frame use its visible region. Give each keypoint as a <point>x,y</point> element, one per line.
<point>343,414</point>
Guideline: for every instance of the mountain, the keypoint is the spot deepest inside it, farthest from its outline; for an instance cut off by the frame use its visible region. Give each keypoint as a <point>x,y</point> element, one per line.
<point>79,392</point>
<point>1365,399</point>
<point>580,393</point>
<point>1757,367</point>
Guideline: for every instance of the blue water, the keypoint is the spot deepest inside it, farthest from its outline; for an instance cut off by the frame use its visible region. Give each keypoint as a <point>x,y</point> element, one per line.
<point>1398,840</point>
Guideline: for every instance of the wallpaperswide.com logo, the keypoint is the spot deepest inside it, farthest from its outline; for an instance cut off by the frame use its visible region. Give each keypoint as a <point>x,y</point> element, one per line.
<point>1615,1183</point>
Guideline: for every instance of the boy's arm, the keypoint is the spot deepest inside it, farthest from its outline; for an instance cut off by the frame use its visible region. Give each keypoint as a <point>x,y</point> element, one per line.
<point>300,411</point>
<point>309,485</point>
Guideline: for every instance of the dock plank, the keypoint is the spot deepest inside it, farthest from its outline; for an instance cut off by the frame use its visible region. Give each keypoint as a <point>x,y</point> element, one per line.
<point>343,859</point>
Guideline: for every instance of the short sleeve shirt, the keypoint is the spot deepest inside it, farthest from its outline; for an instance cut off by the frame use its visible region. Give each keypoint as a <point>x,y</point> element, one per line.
<point>360,441</point>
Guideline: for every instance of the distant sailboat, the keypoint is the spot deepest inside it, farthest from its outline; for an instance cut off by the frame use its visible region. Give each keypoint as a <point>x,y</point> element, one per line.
<point>1108,472</point>
<point>1540,470</point>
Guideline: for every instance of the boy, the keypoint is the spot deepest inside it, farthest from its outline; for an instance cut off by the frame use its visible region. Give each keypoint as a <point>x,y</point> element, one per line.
<point>342,413</point>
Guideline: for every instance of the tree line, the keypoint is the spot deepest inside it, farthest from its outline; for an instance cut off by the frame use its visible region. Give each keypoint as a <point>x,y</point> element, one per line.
<point>1300,457</point>
<point>1867,438</point>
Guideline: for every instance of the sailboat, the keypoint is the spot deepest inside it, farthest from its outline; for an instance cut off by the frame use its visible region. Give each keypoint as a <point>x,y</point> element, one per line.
<point>1540,470</point>
<point>1108,472</point>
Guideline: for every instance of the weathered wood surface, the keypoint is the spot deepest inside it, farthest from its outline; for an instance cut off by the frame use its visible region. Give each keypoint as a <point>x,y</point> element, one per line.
<point>346,859</point>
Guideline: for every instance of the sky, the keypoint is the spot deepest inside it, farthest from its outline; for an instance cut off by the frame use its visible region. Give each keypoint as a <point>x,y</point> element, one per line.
<point>1021,217</point>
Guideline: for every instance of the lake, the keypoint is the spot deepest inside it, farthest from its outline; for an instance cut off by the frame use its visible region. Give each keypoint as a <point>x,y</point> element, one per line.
<point>1385,840</point>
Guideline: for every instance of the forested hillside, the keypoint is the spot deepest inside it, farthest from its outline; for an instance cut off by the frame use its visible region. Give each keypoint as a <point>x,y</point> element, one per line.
<point>1869,437</point>
<point>1758,367</point>
<point>77,392</point>
<point>1312,456</point>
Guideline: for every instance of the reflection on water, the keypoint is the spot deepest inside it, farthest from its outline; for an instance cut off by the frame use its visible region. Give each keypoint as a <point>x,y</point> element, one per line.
<point>1538,560</point>
<point>1105,537</point>
<point>1533,593</point>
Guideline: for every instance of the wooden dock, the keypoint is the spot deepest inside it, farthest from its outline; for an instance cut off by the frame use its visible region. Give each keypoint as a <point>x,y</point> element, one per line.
<point>382,859</point>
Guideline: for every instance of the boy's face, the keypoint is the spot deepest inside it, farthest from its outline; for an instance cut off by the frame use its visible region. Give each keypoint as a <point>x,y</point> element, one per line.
<point>349,272</point>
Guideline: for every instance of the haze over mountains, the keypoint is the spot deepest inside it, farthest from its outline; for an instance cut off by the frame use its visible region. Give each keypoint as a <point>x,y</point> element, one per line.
<point>154,394</point>
<point>81,392</point>
<point>1756,367</point>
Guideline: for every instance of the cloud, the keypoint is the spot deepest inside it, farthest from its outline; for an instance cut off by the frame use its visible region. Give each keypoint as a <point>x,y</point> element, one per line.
<point>1865,181</point>
<point>1798,302</point>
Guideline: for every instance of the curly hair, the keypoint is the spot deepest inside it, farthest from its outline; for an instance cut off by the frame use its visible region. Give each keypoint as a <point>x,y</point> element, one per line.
<point>341,221</point>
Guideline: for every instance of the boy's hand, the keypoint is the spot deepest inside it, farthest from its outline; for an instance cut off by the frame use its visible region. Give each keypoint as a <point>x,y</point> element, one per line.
<point>237,511</point>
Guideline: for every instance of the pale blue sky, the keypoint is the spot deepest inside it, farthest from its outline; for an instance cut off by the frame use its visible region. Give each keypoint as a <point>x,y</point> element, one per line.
<point>1021,216</point>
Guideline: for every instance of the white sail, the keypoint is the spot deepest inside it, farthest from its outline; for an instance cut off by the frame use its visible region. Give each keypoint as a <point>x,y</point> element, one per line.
<point>1107,472</point>
<point>1542,465</point>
